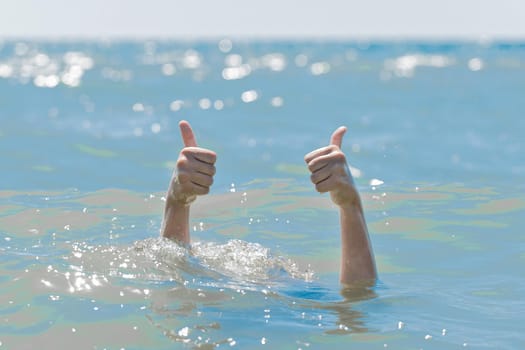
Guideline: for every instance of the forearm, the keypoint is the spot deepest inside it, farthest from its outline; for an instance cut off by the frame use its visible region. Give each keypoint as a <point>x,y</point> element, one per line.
<point>357,257</point>
<point>176,222</point>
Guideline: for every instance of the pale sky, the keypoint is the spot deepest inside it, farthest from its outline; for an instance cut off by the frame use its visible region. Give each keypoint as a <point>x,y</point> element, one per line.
<point>191,19</point>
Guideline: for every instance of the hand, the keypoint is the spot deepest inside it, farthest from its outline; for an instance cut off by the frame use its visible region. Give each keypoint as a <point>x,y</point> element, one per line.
<point>330,172</point>
<point>194,171</point>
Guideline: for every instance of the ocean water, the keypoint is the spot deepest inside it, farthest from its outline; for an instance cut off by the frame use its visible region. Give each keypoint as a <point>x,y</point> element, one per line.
<point>89,136</point>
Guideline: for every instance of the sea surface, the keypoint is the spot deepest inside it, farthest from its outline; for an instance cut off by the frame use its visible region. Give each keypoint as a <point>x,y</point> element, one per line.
<point>88,140</point>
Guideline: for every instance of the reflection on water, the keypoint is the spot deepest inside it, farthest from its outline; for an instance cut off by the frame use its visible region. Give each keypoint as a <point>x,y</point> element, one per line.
<point>78,267</point>
<point>93,263</point>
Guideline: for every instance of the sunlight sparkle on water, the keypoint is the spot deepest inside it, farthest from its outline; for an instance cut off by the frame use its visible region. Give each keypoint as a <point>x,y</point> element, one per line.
<point>475,64</point>
<point>277,101</point>
<point>275,61</point>
<point>405,66</point>
<point>168,69</point>
<point>205,103</point>
<point>320,68</point>
<point>225,45</point>
<point>192,59</point>
<point>176,105</point>
<point>301,60</point>
<point>235,73</point>
<point>249,96</point>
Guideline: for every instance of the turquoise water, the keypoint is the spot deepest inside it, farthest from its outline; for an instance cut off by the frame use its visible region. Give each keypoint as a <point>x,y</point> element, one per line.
<point>88,140</point>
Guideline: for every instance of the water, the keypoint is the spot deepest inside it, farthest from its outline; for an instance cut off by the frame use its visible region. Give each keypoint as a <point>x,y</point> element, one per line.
<point>88,139</point>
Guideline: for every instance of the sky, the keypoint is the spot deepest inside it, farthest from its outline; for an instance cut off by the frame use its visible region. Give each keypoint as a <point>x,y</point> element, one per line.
<point>191,19</point>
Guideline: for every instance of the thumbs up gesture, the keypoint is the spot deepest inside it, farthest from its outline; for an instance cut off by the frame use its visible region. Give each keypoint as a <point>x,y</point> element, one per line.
<point>194,171</point>
<point>330,172</point>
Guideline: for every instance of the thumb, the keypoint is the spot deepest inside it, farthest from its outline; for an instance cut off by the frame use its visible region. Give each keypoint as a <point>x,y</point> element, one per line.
<point>187,134</point>
<point>337,136</point>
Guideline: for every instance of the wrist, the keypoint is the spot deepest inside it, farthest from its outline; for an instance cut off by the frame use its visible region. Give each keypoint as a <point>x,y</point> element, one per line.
<point>180,200</point>
<point>177,197</point>
<point>346,197</point>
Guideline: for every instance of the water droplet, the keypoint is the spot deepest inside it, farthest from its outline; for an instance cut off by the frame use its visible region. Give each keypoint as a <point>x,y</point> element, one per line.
<point>183,332</point>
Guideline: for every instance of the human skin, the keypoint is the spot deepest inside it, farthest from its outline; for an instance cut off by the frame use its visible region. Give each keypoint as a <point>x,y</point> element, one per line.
<point>330,173</point>
<point>193,176</point>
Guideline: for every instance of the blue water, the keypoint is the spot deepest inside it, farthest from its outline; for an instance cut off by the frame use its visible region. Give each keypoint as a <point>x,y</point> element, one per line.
<point>89,136</point>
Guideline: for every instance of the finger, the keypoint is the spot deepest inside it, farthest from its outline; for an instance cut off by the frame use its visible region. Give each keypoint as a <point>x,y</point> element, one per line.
<point>326,185</point>
<point>206,156</point>
<point>206,169</point>
<point>320,175</point>
<point>318,163</point>
<point>199,189</point>
<point>202,179</point>
<point>188,138</point>
<point>317,153</point>
<point>200,154</point>
<point>337,136</point>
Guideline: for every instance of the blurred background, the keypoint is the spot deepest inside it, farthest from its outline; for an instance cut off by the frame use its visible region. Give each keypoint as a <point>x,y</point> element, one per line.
<point>352,19</point>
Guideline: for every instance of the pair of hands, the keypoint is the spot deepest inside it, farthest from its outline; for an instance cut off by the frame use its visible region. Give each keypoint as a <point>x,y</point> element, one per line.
<point>195,169</point>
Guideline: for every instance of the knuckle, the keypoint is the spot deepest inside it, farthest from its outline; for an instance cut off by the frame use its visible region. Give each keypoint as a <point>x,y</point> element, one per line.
<point>182,162</point>
<point>186,151</point>
<point>183,177</point>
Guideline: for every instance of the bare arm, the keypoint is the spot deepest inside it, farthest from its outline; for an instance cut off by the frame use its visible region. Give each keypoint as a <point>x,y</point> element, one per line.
<point>193,176</point>
<point>330,173</point>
